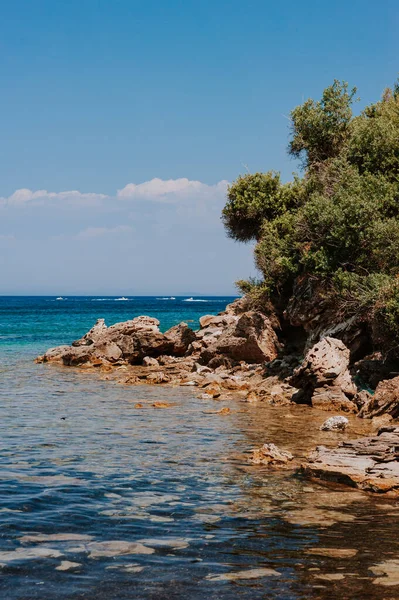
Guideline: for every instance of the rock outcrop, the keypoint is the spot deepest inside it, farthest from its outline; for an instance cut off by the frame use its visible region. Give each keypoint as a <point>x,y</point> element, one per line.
<point>180,336</point>
<point>127,342</point>
<point>323,379</point>
<point>249,337</point>
<point>368,463</point>
<point>384,401</point>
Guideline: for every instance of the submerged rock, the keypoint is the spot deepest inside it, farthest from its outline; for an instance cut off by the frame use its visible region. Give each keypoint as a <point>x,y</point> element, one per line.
<point>271,455</point>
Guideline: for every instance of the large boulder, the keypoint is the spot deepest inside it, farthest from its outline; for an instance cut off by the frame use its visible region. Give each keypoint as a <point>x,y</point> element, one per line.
<point>384,401</point>
<point>249,337</point>
<point>127,342</point>
<point>323,379</point>
<point>180,336</point>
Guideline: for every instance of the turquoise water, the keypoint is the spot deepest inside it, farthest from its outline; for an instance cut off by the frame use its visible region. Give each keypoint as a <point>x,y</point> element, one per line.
<point>102,501</point>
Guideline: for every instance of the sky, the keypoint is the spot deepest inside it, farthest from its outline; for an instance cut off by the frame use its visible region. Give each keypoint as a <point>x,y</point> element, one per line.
<point>123,122</point>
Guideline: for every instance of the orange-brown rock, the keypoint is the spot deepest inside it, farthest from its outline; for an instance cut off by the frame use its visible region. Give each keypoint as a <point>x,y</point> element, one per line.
<point>368,463</point>
<point>271,455</point>
<point>384,401</point>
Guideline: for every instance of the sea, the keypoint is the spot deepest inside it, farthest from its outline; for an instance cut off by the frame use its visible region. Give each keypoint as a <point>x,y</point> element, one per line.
<point>100,500</point>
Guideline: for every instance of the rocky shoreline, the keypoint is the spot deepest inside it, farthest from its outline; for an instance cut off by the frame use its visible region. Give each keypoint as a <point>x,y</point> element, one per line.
<point>242,352</point>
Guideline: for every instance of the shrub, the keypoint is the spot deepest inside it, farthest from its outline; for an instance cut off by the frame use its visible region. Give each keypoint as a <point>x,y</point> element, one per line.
<point>338,223</point>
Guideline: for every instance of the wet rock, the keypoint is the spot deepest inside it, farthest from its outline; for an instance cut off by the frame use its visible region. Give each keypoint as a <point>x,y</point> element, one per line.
<point>368,463</point>
<point>271,455</point>
<point>333,552</point>
<point>388,573</point>
<point>332,399</point>
<point>113,548</point>
<point>67,565</point>
<point>53,355</point>
<point>247,574</point>
<point>22,554</point>
<point>384,401</point>
<point>158,378</point>
<point>337,423</point>
<point>323,379</point>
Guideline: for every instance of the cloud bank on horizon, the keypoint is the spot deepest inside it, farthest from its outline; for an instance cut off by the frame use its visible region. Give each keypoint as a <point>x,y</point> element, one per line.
<point>159,236</point>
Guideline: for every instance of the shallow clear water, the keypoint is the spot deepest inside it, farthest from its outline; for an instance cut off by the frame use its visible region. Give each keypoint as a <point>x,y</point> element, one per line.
<point>162,503</point>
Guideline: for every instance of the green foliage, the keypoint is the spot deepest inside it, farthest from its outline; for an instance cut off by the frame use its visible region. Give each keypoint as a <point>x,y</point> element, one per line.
<point>339,223</point>
<point>251,199</point>
<point>374,142</point>
<point>321,129</point>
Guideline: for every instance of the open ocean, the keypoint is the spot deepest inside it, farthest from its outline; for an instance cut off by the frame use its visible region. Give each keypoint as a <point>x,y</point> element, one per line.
<point>101,501</point>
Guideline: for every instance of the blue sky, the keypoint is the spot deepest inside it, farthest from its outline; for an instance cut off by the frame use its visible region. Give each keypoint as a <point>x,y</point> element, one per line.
<point>100,96</point>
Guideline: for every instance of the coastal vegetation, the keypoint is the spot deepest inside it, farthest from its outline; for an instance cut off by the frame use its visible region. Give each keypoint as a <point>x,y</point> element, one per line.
<point>330,237</point>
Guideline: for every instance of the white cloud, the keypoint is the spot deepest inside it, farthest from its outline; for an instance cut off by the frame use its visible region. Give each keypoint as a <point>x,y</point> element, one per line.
<point>25,196</point>
<point>170,190</point>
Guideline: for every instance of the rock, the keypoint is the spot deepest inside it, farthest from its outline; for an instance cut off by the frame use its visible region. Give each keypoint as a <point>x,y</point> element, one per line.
<point>237,307</point>
<point>92,336</point>
<point>197,368</point>
<point>109,351</point>
<point>148,361</point>
<point>157,378</point>
<point>271,455</point>
<point>374,368</point>
<point>384,401</point>
<point>220,361</point>
<point>53,354</point>
<point>332,399</point>
<point>180,336</point>
<point>217,321</point>
<point>337,423</point>
<point>368,463</point>
<point>362,398</point>
<point>129,341</point>
<point>73,357</point>
<point>250,338</point>
<point>213,391</point>
<point>323,378</point>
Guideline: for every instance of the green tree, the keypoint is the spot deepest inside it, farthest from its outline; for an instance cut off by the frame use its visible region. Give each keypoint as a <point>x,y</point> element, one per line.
<point>338,224</point>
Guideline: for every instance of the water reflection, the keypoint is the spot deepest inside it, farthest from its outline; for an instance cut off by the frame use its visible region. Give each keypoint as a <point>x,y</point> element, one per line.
<point>100,500</point>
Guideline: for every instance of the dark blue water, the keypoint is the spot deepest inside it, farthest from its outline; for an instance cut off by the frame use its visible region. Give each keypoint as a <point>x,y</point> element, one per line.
<point>102,501</point>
